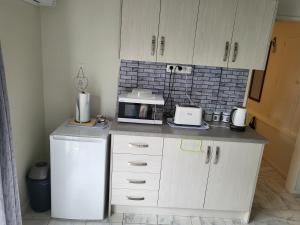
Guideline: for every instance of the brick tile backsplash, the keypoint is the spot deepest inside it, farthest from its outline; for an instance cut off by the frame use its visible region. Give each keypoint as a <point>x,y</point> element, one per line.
<point>213,88</point>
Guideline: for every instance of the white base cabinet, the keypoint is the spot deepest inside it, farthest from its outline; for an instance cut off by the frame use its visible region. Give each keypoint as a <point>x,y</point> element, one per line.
<point>184,173</point>
<point>232,176</point>
<point>190,177</point>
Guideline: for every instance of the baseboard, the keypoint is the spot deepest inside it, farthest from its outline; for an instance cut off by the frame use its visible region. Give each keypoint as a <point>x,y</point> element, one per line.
<point>238,215</point>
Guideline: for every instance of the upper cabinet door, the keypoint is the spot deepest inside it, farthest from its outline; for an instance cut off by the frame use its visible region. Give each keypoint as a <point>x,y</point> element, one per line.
<point>214,32</point>
<point>185,166</point>
<point>232,176</point>
<point>252,33</point>
<point>140,20</point>
<point>177,29</point>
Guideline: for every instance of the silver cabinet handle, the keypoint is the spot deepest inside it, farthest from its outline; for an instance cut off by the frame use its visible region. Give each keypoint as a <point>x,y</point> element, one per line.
<point>226,51</point>
<point>162,45</point>
<point>131,181</point>
<point>153,45</point>
<point>217,155</point>
<point>235,51</point>
<point>138,145</point>
<point>137,163</point>
<point>135,198</point>
<point>208,155</point>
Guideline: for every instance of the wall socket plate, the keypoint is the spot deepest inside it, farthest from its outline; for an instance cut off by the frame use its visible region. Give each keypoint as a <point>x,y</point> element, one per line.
<point>185,69</point>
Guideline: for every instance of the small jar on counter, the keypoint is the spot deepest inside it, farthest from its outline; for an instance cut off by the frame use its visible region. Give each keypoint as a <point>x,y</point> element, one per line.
<point>225,117</point>
<point>217,116</point>
<point>208,116</point>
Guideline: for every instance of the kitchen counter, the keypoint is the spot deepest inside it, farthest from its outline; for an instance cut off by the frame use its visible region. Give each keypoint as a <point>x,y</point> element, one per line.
<point>214,133</point>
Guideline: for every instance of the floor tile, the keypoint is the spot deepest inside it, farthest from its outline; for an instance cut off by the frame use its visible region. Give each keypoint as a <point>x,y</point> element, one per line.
<point>66,222</point>
<point>30,214</point>
<point>35,222</point>
<point>182,220</point>
<point>165,219</point>
<point>211,221</point>
<point>195,220</point>
<point>97,223</point>
<point>116,218</point>
<point>139,219</point>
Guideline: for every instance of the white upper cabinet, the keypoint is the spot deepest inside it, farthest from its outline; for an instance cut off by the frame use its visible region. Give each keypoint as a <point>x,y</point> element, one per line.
<point>140,20</point>
<point>184,173</point>
<point>232,176</point>
<point>177,31</point>
<point>214,32</point>
<point>224,33</point>
<point>252,33</point>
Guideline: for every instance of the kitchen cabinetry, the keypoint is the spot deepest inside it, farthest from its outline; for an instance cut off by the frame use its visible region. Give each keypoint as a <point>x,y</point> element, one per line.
<point>186,175</point>
<point>214,32</point>
<point>217,168</point>
<point>136,166</point>
<point>140,19</point>
<point>252,33</point>
<point>232,176</point>
<point>154,30</point>
<point>177,29</point>
<point>225,33</point>
<point>241,39</point>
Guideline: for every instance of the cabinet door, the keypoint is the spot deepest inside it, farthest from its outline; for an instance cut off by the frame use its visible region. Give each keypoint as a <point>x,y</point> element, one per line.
<point>184,173</point>
<point>232,176</point>
<point>140,19</point>
<point>177,31</point>
<point>252,33</point>
<point>214,32</point>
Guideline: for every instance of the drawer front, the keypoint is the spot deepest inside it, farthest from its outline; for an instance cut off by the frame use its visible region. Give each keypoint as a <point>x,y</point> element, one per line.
<point>137,145</point>
<point>136,181</point>
<point>134,197</point>
<point>136,163</point>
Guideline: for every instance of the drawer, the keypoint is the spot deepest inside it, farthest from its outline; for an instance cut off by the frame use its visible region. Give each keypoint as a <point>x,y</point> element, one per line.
<point>137,145</point>
<point>136,163</point>
<point>134,197</point>
<point>137,181</point>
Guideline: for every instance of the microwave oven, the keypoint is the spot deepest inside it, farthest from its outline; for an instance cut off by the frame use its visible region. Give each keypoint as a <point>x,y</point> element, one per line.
<point>140,106</point>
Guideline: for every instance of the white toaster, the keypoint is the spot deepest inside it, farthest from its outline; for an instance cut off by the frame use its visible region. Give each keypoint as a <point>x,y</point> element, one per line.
<point>188,115</point>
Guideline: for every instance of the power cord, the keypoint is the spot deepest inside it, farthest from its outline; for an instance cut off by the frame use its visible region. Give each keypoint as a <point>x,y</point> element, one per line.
<point>169,113</point>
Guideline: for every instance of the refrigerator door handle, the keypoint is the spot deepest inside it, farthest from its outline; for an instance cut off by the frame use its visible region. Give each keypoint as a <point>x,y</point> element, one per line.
<point>79,139</point>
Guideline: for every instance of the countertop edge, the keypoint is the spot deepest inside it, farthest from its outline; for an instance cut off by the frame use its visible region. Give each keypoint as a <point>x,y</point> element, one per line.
<point>154,134</point>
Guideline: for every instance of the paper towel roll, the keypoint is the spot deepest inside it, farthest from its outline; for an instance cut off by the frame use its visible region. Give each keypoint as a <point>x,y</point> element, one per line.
<point>83,108</point>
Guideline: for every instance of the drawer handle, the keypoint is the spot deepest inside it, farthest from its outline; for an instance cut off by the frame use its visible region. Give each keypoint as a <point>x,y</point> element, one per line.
<point>131,181</point>
<point>137,164</point>
<point>135,198</point>
<point>138,145</point>
<point>208,155</point>
<point>235,51</point>
<point>217,155</point>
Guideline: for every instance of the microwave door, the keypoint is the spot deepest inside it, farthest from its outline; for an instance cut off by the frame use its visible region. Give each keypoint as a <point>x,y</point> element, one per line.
<point>129,110</point>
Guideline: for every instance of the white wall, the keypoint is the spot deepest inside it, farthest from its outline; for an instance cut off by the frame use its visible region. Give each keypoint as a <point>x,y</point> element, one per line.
<point>21,47</point>
<point>289,8</point>
<point>79,32</point>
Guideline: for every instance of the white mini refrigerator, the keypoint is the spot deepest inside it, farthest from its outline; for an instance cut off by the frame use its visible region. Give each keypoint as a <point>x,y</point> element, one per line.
<point>78,158</point>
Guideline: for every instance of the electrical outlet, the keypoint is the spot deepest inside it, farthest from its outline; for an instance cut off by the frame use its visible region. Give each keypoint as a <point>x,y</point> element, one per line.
<point>185,69</point>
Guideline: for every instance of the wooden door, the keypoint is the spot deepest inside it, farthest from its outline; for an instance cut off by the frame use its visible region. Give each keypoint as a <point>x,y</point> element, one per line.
<point>184,173</point>
<point>140,20</point>
<point>177,31</point>
<point>232,176</point>
<point>252,33</point>
<point>214,32</point>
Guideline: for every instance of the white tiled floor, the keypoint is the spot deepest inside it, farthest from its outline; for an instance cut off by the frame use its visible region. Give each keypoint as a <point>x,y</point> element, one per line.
<point>272,206</point>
